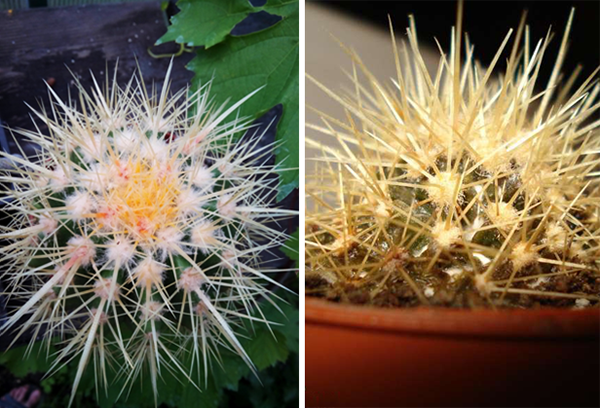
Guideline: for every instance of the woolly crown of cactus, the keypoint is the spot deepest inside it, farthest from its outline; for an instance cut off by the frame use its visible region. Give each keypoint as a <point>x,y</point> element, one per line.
<point>464,187</point>
<point>138,227</point>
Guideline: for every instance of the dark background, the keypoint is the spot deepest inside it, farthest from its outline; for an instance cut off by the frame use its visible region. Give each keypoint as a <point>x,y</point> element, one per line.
<point>487,23</point>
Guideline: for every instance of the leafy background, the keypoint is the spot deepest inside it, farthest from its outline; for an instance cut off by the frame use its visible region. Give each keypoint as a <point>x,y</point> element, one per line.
<point>239,64</point>
<point>239,57</point>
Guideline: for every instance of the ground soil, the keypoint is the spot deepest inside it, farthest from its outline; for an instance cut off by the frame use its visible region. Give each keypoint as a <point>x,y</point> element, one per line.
<point>461,294</point>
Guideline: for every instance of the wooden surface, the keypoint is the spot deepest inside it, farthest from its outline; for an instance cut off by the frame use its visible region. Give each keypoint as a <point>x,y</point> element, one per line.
<point>39,44</point>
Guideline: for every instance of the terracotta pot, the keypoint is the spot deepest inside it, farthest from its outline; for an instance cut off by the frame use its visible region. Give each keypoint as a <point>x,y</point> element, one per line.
<point>360,356</point>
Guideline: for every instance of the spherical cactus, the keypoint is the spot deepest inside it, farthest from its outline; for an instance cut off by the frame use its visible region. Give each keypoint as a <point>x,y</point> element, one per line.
<point>465,187</point>
<point>136,234</point>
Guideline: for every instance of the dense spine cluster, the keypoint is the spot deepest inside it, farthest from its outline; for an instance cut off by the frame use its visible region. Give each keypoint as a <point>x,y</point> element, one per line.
<point>465,187</point>
<point>136,235</point>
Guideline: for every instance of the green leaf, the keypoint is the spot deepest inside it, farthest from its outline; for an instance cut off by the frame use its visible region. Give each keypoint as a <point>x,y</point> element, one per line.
<point>293,336</point>
<point>277,387</point>
<point>19,363</point>
<point>268,59</point>
<point>267,349</point>
<point>208,22</point>
<point>283,8</point>
<point>291,247</point>
<point>289,320</point>
<point>205,22</point>
<point>207,398</point>
<point>286,318</point>
<point>232,371</point>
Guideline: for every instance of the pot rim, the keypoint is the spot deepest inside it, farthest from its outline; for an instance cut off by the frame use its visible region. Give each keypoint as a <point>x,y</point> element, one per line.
<point>544,323</point>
